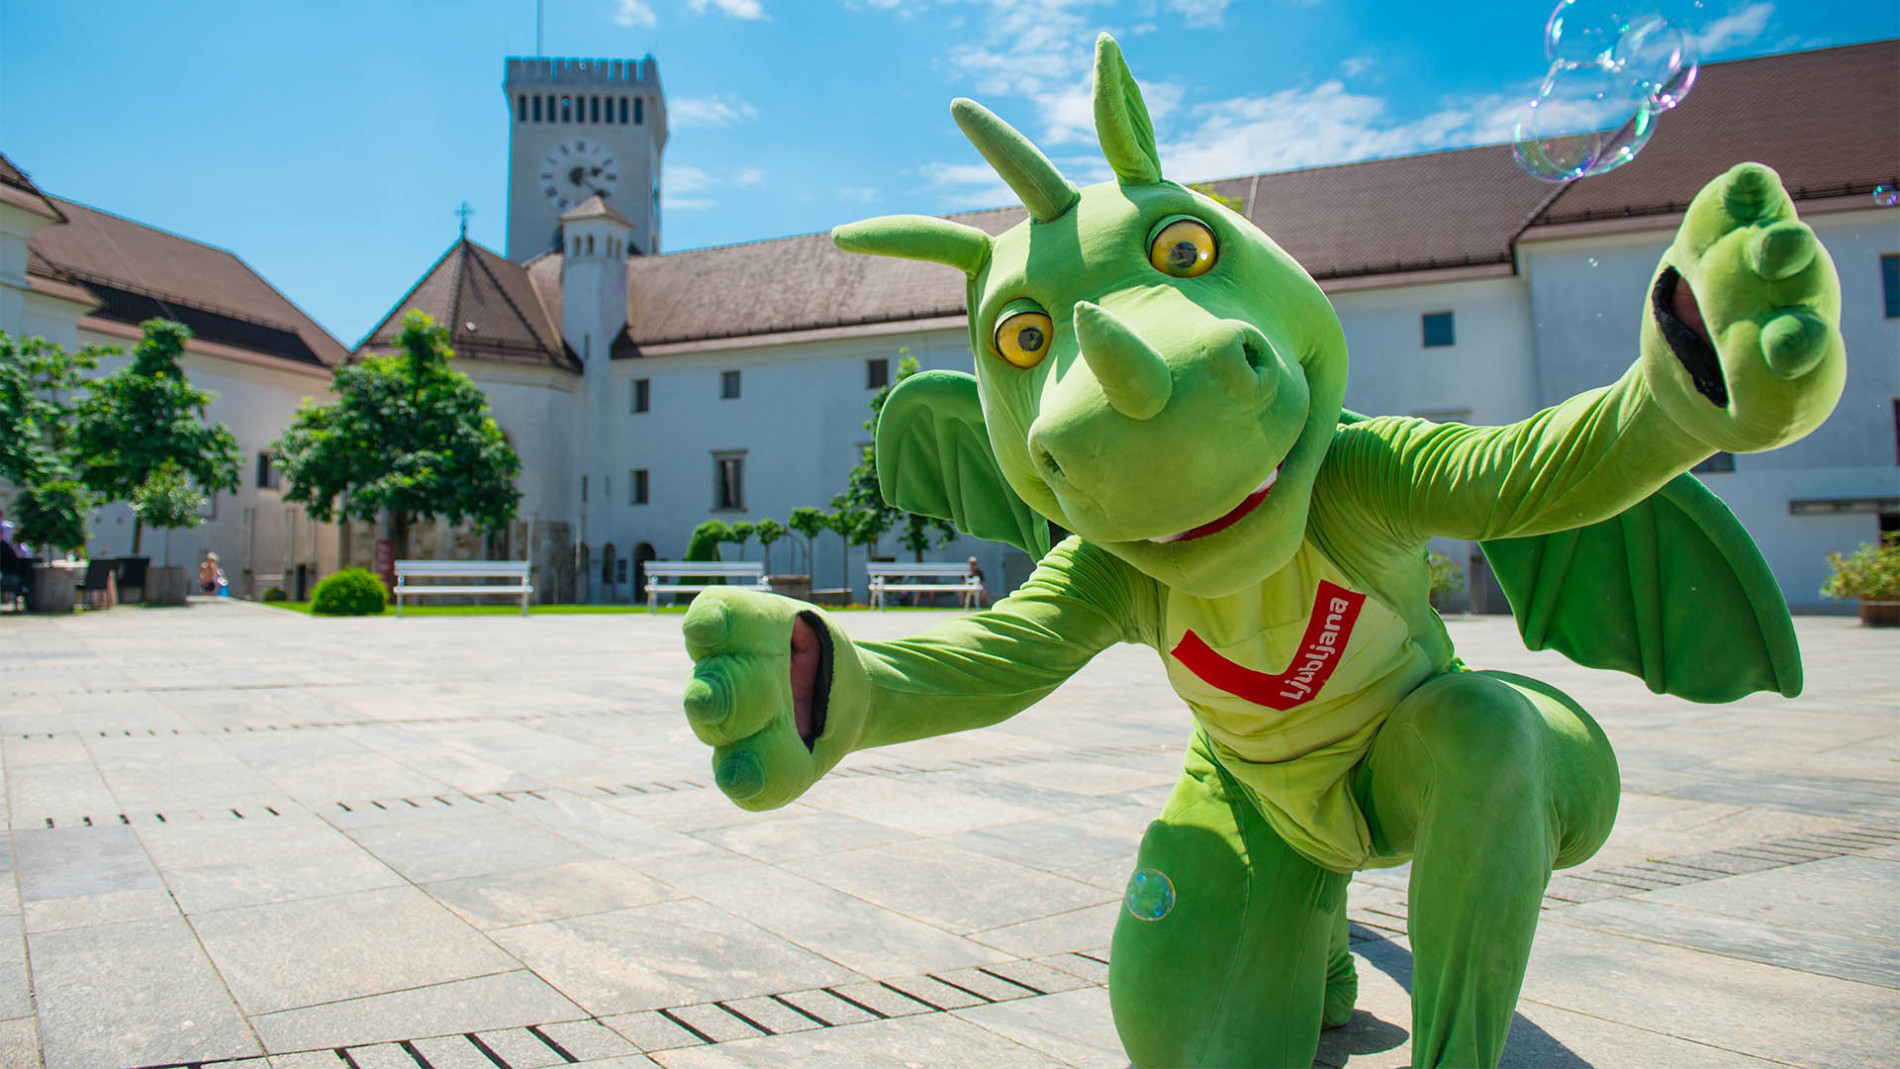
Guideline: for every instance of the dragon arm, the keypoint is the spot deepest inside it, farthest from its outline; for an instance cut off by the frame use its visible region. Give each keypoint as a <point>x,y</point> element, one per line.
<point>1741,350</point>
<point>983,668</point>
<point>1571,465</point>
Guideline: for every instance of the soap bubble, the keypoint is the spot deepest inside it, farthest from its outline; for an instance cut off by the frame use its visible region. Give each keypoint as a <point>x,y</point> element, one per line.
<point>1584,122</point>
<point>1886,196</point>
<point>1659,59</point>
<point>1582,32</point>
<point>1150,894</point>
<point>1614,66</point>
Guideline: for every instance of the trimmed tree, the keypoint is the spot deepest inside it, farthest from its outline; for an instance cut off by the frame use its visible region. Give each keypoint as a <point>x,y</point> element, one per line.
<point>768,531</point>
<point>37,382</point>
<point>742,533</point>
<point>51,515</point>
<point>134,421</point>
<point>168,501</point>
<point>409,436</point>
<point>809,522</point>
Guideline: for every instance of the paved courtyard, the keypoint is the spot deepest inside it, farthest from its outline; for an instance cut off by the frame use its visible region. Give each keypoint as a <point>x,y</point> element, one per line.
<point>247,838</point>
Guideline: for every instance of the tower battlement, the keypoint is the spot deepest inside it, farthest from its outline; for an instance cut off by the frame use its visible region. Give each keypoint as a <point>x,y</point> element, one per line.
<point>523,71</point>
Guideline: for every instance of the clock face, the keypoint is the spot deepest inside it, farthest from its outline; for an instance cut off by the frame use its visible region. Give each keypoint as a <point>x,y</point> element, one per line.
<point>577,169</point>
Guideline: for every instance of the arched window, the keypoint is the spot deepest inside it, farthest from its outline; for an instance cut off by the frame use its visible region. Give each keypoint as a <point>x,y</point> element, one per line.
<point>623,111</point>
<point>577,245</point>
<point>636,110</point>
<point>590,244</point>
<point>593,109</point>
<point>567,109</point>
<point>537,109</point>
<point>521,107</point>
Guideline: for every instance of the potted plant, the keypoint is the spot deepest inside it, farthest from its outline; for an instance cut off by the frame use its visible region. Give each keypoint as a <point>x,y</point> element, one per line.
<point>1447,578</point>
<point>164,501</point>
<point>51,517</point>
<point>1871,575</point>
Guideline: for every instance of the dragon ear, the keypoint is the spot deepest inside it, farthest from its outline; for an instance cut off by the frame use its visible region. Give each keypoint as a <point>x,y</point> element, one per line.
<point>1121,118</point>
<point>917,237</point>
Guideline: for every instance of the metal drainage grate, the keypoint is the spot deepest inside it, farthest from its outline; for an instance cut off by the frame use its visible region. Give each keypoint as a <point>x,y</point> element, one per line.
<point>720,1021</point>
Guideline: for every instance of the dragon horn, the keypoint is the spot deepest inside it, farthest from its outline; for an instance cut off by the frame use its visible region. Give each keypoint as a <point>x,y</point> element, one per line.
<point>1037,183</point>
<point>917,237</point>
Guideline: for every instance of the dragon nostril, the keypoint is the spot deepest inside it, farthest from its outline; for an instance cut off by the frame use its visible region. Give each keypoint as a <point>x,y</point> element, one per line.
<point>1252,352</point>
<point>1050,467</point>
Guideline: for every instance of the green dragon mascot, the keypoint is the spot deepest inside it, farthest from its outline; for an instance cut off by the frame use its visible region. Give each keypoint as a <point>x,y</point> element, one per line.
<point>1158,377</point>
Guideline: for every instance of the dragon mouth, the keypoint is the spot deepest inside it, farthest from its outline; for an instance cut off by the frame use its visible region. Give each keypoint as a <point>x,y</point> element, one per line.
<point>1248,504</point>
<point>1679,318</point>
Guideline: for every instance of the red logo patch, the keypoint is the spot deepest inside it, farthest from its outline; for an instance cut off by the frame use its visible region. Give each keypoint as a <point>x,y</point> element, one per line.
<point>1335,610</point>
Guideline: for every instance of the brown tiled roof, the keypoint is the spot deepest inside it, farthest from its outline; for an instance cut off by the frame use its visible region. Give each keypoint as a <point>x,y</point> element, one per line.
<point>594,207</point>
<point>139,272</point>
<point>787,284</point>
<point>490,306</point>
<point>1827,120</point>
<point>18,190</point>
<point>1410,213</point>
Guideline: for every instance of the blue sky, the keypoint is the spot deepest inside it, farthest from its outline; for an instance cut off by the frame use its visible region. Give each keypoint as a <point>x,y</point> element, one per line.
<point>329,144</point>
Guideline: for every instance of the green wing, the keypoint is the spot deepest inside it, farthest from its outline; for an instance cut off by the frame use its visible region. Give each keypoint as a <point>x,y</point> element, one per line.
<point>934,459</point>
<point>1672,591</point>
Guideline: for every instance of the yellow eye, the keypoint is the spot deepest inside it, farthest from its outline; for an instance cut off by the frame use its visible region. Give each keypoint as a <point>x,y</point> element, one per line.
<point>1183,248</point>
<point>1023,338</point>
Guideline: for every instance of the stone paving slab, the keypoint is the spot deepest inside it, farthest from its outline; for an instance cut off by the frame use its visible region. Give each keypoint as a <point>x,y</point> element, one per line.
<point>244,838</point>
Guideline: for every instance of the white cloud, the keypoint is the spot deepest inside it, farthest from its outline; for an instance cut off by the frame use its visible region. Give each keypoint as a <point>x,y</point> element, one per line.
<point>683,178</point>
<point>687,113</point>
<point>860,194</point>
<point>634,13</point>
<point>738,9</point>
<point>967,185</point>
<point>1354,66</point>
<point>1737,29</point>
<point>1323,124</point>
<point>1200,13</point>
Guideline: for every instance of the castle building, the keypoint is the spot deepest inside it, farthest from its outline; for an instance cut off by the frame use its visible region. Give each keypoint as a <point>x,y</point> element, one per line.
<point>650,391</point>
<point>78,276</point>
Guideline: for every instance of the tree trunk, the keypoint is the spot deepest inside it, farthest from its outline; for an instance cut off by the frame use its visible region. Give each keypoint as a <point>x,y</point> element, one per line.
<point>399,533</point>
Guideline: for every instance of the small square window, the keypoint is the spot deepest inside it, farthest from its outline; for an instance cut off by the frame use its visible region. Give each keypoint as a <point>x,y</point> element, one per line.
<point>1718,462</point>
<point>1437,328</point>
<point>642,394</point>
<point>729,481</point>
<point>583,489</point>
<point>877,373</point>
<point>268,477</point>
<point>637,483</point>
<point>728,385</point>
<point>1890,283</point>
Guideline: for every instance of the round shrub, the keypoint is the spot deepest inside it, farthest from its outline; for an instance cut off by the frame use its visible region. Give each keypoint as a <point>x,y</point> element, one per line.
<point>350,592</point>
<point>275,593</point>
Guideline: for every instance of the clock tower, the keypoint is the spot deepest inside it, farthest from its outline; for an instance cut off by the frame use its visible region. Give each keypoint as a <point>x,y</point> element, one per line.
<point>580,128</point>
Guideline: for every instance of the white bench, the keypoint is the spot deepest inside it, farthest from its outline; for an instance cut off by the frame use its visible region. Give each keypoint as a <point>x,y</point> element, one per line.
<point>462,569</point>
<point>703,570</point>
<point>889,578</point>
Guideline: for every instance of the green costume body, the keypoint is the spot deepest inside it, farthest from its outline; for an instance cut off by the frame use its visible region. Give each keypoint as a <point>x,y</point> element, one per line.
<point>1156,376</point>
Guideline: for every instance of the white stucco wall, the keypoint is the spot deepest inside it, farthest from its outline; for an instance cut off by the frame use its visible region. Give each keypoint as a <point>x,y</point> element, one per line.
<point>798,421</point>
